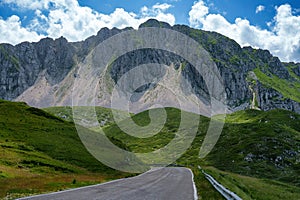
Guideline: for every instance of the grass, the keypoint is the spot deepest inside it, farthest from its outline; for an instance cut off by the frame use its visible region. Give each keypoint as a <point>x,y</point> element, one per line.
<point>104,115</point>
<point>260,144</point>
<point>289,89</point>
<point>30,184</point>
<point>253,188</point>
<point>290,68</point>
<point>204,189</point>
<point>253,143</point>
<point>36,145</point>
<point>269,139</point>
<point>143,145</point>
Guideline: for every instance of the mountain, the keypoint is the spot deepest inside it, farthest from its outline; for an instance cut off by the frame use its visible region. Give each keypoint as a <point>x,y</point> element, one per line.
<point>43,73</point>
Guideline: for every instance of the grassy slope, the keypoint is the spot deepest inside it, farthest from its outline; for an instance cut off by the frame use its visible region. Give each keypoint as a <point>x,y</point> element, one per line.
<point>40,152</point>
<point>266,135</point>
<point>253,188</point>
<point>260,144</point>
<point>65,112</point>
<point>263,134</point>
<point>289,89</point>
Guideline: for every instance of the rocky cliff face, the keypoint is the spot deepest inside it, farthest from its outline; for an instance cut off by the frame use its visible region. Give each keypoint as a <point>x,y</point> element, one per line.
<point>21,65</point>
<point>42,73</point>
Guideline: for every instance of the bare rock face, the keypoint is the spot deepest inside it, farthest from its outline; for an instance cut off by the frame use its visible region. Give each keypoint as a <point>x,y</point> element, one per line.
<point>43,73</point>
<point>21,65</point>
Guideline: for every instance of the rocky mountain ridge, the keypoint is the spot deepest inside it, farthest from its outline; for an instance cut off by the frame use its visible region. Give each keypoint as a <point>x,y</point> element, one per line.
<point>42,73</point>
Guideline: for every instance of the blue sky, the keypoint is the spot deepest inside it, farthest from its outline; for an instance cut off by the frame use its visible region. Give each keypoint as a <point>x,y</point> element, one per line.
<point>231,8</point>
<point>272,25</point>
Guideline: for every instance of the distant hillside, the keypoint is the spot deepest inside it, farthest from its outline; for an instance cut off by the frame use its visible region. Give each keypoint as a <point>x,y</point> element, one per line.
<point>257,151</point>
<point>105,116</point>
<point>42,74</point>
<point>257,144</point>
<point>252,143</point>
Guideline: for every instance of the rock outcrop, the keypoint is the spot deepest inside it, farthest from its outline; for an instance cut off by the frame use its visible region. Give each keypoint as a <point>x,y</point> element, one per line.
<point>42,73</point>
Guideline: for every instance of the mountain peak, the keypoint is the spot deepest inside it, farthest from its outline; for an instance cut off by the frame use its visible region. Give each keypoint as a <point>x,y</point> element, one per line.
<point>42,73</point>
<point>155,23</point>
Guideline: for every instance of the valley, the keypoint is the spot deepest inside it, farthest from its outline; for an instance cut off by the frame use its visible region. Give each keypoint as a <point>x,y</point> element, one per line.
<point>42,152</point>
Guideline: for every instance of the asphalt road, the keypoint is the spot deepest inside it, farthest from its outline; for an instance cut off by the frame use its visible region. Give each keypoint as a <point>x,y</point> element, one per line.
<point>172,183</point>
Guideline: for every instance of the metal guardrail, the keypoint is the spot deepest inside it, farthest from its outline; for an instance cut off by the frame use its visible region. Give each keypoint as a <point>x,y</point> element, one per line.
<point>227,194</point>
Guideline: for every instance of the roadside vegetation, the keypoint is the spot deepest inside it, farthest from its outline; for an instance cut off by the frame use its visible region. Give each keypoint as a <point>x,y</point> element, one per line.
<point>40,152</point>
<point>257,155</point>
<point>257,150</point>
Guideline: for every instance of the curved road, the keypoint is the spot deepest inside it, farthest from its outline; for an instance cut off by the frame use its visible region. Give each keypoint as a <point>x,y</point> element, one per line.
<point>158,184</point>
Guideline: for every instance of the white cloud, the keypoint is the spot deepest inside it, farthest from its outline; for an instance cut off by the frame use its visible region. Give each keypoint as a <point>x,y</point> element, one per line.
<point>259,8</point>
<point>283,40</point>
<point>198,12</point>
<point>158,12</point>
<point>67,18</point>
<point>162,7</point>
<point>11,31</point>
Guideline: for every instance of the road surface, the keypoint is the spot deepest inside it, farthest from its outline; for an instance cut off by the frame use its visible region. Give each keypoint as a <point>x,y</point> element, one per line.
<point>172,183</point>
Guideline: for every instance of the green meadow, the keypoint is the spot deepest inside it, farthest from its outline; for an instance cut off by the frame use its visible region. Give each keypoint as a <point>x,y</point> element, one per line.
<point>257,155</point>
